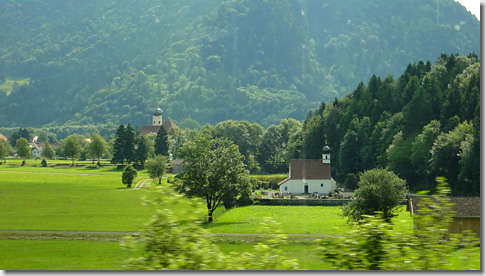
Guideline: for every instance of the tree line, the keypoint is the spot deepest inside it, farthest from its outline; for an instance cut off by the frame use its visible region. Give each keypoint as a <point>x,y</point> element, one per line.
<point>421,125</point>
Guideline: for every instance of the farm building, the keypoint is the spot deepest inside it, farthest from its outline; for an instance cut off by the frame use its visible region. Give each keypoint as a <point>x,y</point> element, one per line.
<point>467,209</point>
<point>310,175</point>
<point>177,165</point>
<point>168,124</point>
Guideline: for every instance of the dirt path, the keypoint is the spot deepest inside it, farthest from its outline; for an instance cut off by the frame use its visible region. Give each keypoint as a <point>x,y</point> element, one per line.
<point>140,184</point>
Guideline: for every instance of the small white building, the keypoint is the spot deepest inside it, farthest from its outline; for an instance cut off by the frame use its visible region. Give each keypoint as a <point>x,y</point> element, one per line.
<point>307,176</point>
<point>36,150</point>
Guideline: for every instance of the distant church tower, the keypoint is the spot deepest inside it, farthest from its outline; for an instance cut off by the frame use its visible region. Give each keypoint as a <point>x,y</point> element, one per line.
<point>326,155</point>
<point>157,118</point>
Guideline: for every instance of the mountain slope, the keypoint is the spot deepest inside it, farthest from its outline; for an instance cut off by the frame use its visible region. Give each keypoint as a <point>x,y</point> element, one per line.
<point>109,62</point>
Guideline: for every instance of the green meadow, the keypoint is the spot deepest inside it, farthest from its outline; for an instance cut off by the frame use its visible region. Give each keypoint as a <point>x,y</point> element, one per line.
<point>315,220</point>
<point>8,85</point>
<point>81,199</point>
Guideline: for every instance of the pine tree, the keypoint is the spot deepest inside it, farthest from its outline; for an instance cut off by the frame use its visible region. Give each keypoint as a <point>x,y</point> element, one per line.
<point>129,146</point>
<point>141,153</point>
<point>161,142</point>
<point>118,145</point>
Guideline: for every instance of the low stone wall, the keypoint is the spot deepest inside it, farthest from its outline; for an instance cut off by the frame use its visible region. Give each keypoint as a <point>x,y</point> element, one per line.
<point>307,202</point>
<point>302,202</point>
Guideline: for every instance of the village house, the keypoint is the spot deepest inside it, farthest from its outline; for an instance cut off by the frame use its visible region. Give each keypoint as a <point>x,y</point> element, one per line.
<point>3,137</point>
<point>307,176</point>
<point>168,124</point>
<point>467,209</point>
<point>35,149</point>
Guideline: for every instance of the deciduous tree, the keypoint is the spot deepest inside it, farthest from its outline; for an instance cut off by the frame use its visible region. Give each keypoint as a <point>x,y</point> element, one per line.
<point>97,147</point>
<point>213,168</point>
<point>378,191</point>
<point>22,148</point>
<point>71,148</point>
<point>47,151</point>
<point>156,167</point>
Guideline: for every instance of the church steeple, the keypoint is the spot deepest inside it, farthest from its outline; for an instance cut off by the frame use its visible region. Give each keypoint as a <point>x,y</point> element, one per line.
<point>326,154</point>
<point>157,118</point>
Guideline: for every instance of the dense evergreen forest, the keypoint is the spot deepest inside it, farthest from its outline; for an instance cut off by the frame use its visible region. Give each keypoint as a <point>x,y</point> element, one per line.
<point>424,124</point>
<point>88,66</point>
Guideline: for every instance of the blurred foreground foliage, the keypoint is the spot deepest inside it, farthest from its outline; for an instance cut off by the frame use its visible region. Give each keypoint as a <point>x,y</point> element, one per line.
<point>374,245</point>
<point>175,240</point>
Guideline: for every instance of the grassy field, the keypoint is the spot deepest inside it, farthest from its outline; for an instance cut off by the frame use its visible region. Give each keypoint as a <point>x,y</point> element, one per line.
<point>46,201</point>
<point>80,199</point>
<point>325,220</point>
<point>9,83</point>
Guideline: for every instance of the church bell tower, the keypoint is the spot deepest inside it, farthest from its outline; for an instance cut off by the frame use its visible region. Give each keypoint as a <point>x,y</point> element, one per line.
<point>326,155</point>
<point>157,118</point>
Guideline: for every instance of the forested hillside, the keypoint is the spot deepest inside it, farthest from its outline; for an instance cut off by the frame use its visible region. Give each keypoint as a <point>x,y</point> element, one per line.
<point>103,63</point>
<point>421,125</point>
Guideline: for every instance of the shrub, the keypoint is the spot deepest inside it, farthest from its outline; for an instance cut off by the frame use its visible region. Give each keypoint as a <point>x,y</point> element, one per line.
<point>44,163</point>
<point>378,190</point>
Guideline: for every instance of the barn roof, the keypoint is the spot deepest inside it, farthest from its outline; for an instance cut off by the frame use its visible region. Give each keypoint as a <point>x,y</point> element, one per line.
<point>464,206</point>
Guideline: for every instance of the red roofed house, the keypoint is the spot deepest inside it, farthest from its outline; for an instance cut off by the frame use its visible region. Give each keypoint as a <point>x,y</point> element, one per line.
<point>310,175</point>
<point>157,123</point>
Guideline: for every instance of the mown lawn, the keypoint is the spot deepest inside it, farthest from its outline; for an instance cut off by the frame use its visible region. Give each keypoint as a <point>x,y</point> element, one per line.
<point>53,199</point>
<point>61,255</point>
<point>324,220</point>
<point>38,201</point>
<point>35,166</point>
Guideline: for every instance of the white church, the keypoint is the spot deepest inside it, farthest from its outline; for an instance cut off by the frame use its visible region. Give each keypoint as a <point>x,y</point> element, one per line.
<point>307,176</point>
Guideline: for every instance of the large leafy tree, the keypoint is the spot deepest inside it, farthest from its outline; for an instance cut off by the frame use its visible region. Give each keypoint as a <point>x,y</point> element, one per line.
<point>71,147</point>
<point>5,149</point>
<point>47,151</point>
<point>97,147</point>
<point>213,168</point>
<point>21,133</point>
<point>378,190</point>
<point>446,154</point>
<point>23,149</point>
<point>156,167</point>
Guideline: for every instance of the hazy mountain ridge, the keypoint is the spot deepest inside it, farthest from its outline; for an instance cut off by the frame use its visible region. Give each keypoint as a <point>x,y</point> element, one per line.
<point>111,62</point>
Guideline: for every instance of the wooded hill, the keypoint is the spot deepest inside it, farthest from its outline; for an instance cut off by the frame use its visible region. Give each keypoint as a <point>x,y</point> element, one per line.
<point>99,64</point>
<point>422,125</point>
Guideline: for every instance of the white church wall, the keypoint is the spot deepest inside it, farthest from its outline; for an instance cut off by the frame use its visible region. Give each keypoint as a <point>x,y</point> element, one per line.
<point>297,186</point>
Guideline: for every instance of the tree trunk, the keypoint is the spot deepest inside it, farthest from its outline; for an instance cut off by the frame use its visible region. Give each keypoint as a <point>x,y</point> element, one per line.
<point>210,215</point>
<point>160,180</point>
